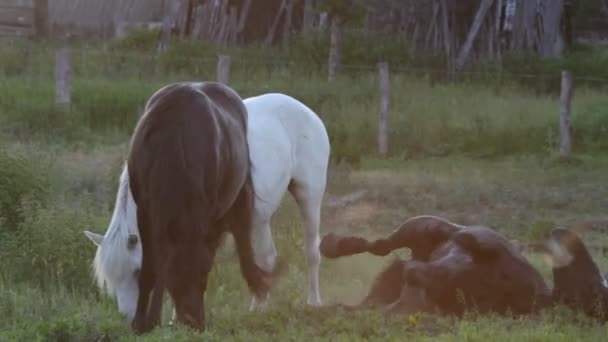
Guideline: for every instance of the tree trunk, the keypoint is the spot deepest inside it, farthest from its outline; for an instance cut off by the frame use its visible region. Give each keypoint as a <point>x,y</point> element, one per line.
<point>568,19</point>
<point>171,9</point>
<point>446,33</point>
<point>244,15</point>
<point>41,15</point>
<point>551,41</point>
<point>432,25</point>
<point>287,22</point>
<point>463,55</point>
<point>308,18</point>
<point>275,23</point>
<point>335,47</point>
<point>189,13</point>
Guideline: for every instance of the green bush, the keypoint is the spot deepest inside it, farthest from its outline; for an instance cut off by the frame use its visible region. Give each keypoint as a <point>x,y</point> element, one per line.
<point>14,60</point>
<point>48,246</point>
<point>21,180</point>
<point>142,40</point>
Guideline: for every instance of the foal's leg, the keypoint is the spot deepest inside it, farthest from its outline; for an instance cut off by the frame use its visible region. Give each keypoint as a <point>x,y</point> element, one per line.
<point>309,200</point>
<point>265,251</point>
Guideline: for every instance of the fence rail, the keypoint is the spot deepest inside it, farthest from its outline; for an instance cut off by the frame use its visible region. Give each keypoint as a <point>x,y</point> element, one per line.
<point>63,72</point>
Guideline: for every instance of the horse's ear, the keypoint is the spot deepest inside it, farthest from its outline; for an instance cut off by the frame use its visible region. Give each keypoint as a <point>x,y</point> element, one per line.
<point>96,238</point>
<point>132,241</point>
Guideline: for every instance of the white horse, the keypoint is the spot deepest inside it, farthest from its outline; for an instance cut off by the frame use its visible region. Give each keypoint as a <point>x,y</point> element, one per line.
<point>289,150</point>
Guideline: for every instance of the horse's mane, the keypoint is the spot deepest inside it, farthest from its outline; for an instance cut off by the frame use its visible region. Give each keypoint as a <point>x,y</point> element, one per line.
<point>112,253</point>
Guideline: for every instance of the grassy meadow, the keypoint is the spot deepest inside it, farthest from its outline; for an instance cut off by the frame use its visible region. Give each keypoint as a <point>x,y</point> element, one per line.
<point>476,151</point>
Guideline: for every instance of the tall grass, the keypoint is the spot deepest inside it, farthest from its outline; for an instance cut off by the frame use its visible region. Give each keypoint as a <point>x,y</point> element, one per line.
<point>110,88</point>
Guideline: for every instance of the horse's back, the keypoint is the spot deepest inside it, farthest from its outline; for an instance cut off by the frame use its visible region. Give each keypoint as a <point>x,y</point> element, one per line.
<point>300,125</point>
<point>180,146</point>
<point>295,117</point>
<point>284,131</point>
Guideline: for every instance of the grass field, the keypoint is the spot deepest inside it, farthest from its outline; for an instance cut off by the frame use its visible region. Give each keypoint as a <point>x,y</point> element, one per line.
<point>519,196</point>
<point>471,153</point>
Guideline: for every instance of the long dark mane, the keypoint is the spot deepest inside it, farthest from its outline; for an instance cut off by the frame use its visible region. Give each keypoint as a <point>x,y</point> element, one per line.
<point>190,176</point>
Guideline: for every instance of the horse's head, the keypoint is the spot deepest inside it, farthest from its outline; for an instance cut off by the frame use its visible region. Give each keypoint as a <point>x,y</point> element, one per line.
<point>119,252</point>
<point>577,280</point>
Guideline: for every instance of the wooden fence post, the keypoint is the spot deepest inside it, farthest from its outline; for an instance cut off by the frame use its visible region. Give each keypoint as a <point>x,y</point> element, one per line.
<point>565,100</point>
<point>63,76</point>
<point>223,69</point>
<point>385,95</point>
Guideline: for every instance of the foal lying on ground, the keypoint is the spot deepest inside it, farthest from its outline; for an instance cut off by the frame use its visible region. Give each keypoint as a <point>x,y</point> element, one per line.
<point>453,269</point>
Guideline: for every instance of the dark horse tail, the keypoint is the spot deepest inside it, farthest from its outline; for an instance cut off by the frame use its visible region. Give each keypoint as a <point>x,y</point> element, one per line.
<point>258,280</point>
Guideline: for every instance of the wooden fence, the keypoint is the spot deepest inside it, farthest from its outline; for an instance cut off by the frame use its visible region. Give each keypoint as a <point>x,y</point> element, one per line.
<point>17,18</point>
<point>63,89</point>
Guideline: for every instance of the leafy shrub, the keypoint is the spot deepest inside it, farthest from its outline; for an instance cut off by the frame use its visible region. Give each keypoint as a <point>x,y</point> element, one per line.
<point>143,40</point>
<point>14,59</point>
<point>21,180</point>
<point>48,246</point>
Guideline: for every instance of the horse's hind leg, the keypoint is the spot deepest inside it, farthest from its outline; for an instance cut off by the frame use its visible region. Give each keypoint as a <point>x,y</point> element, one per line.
<point>309,199</point>
<point>265,251</point>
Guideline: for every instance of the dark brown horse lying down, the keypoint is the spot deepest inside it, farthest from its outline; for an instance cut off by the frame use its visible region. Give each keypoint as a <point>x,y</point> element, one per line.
<point>577,280</point>
<point>452,269</point>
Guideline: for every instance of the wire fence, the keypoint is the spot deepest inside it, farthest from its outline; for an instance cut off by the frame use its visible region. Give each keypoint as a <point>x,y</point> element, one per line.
<point>110,88</point>
<point>119,64</point>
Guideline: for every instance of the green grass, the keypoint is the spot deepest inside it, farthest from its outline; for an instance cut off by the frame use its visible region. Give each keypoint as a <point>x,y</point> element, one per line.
<point>473,152</point>
<point>511,194</point>
<point>484,117</point>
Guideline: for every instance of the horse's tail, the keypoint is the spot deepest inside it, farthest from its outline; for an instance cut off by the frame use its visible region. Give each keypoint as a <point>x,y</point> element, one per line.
<point>258,280</point>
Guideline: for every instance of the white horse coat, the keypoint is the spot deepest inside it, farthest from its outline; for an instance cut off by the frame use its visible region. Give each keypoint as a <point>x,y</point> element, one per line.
<point>289,150</point>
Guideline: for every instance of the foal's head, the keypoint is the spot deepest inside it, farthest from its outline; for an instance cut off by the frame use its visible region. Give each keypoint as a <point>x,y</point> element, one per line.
<point>119,252</point>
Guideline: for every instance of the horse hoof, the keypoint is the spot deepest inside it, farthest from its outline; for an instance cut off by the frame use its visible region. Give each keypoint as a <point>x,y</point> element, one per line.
<point>140,326</point>
<point>314,303</point>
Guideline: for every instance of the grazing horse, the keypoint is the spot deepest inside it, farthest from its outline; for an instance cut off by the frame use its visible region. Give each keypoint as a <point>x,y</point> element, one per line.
<point>453,268</point>
<point>189,174</point>
<point>289,151</point>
